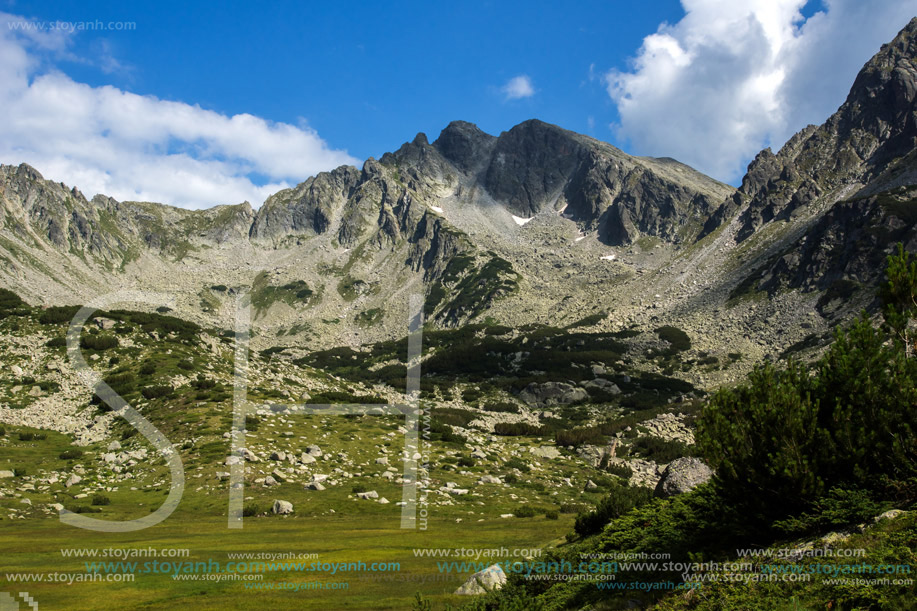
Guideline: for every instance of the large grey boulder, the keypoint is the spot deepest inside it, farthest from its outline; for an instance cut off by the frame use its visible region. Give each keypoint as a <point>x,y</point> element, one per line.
<point>545,452</point>
<point>282,507</point>
<point>482,582</point>
<point>552,393</point>
<point>682,475</point>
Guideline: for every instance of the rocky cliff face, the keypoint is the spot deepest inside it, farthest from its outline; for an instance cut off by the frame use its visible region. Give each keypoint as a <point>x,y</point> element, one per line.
<point>848,182</point>
<point>866,143</point>
<point>536,167</point>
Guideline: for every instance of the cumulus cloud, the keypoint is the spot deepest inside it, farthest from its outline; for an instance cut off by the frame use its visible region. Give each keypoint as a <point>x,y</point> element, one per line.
<point>132,147</point>
<point>733,77</point>
<point>518,87</point>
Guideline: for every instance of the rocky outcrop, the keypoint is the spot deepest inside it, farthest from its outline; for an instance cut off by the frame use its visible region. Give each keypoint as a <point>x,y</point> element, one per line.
<point>464,145</point>
<point>308,208</point>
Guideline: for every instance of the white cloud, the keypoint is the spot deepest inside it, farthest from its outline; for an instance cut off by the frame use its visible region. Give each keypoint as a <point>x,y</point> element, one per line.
<point>733,77</point>
<point>518,87</point>
<point>131,147</point>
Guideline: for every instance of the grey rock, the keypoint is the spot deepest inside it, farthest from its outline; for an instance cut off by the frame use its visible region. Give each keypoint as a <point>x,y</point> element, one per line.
<point>490,579</point>
<point>552,393</point>
<point>682,475</point>
<point>891,514</point>
<point>545,452</point>
<point>282,507</point>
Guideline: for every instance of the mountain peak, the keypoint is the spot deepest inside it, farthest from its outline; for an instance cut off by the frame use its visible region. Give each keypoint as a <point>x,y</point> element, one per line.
<point>463,144</point>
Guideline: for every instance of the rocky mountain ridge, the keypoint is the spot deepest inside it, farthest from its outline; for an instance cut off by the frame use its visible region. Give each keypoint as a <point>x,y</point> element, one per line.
<point>536,225</point>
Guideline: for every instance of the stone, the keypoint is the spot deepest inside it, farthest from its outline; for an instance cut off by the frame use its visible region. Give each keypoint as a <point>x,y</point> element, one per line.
<point>314,450</point>
<point>552,393</point>
<point>591,485</point>
<point>489,479</point>
<point>105,323</point>
<point>282,507</point>
<point>682,475</point>
<point>372,494</point>
<point>16,370</point>
<point>891,514</point>
<point>306,459</point>
<point>36,391</point>
<point>279,456</point>
<point>6,474</point>
<point>315,486</point>
<point>278,475</point>
<point>269,481</point>
<point>73,480</point>
<point>382,461</point>
<point>232,460</point>
<point>545,452</point>
<point>490,579</point>
<point>249,456</point>
<point>114,446</point>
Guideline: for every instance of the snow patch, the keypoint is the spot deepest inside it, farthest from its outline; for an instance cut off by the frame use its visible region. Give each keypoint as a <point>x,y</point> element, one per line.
<point>521,221</point>
<point>608,258</point>
<point>437,209</point>
<point>582,237</point>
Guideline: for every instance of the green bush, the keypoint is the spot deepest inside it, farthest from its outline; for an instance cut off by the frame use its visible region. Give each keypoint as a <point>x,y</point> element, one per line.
<point>100,499</point>
<point>359,489</point>
<point>71,454</point>
<point>517,463</point>
<point>579,436</point>
<point>619,501</point>
<point>660,450</point>
<point>622,471</point>
<point>466,461</point>
<point>504,406</point>
<point>525,511</point>
<point>250,510</point>
<point>552,514</point>
<point>10,300</point>
<point>56,315</point>
<point>157,392</point>
<point>56,342</point>
<point>839,508</point>
<point>518,429</point>
<point>98,342</point>
<point>27,436</point>
<point>122,383</point>
<point>147,369</point>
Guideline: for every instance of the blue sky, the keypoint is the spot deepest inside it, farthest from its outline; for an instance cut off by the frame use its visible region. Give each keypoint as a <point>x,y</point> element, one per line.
<point>296,88</point>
